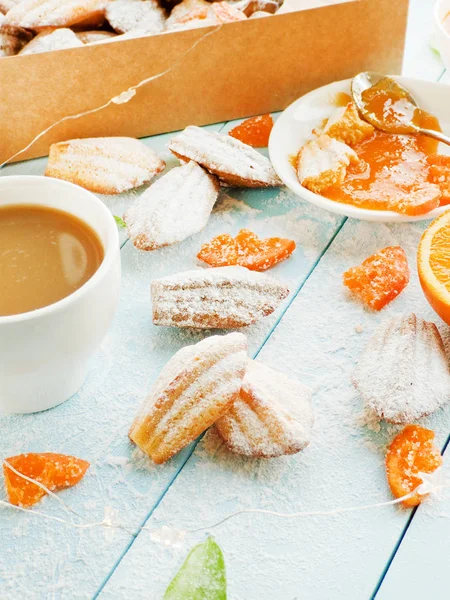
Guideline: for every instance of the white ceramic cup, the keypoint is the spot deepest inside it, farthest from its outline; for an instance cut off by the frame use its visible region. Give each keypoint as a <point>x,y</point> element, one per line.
<point>44,353</point>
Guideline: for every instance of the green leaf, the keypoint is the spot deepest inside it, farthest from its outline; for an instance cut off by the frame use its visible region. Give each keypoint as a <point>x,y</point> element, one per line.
<point>202,576</point>
<point>120,222</point>
<point>435,51</point>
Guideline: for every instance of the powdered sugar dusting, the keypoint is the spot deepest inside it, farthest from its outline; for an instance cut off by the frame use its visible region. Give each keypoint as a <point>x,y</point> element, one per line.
<point>272,416</point>
<point>104,165</point>
<point>404,373</point>
<point>222,297</point>
<point>232,161</point>
<point>196,386</point>
<point>172,209</point>
<point>129,15</point>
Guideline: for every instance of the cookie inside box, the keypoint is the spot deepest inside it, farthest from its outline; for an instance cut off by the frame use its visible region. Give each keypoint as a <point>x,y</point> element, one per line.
<point>190,62</point>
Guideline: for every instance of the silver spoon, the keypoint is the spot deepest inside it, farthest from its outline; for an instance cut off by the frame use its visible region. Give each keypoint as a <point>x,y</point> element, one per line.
<point>366,80</point>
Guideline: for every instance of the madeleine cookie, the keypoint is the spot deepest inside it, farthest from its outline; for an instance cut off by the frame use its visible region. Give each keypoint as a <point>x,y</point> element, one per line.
<point>232,161</point>
<point>38,14</point>
<point>226,13</point>
<point>190,11</point>
<point>104,165</point>
<point>403,374</point>
<point>271,417</point>
<point>130,15</point>
<point>218,298</point>
<point>173,208</point>
<point>59,39</point>
<point>95,36</point>
<point>12,39</point>
<point>196,387</point>
<point>323,162</point>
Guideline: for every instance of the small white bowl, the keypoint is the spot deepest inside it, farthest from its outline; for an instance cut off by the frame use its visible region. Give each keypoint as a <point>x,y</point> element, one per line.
<point>441,10</point>
<point>44,353</point>
<point>293,128</point>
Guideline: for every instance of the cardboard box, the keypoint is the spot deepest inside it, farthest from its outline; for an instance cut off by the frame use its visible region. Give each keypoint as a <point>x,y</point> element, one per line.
<point>213,74</point>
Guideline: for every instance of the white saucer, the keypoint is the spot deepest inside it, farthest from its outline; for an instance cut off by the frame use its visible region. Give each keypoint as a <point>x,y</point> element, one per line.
<point>293,128</point>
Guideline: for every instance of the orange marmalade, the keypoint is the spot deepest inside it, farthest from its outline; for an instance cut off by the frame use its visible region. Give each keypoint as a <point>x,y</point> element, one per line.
<point>393,172</point>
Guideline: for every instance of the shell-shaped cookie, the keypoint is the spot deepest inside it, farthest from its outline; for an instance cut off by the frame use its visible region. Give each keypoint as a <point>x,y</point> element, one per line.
<point>196,387</point>
<point>233,162</point>
<point>130,15</point>
<point>403,374</point>
<point>36,14</point>
<point>95,36</point>
<point>59,39</point>
<point>219,298</point>
<point>104,165</point>
<point>188,11</point>
<point>271,417</point>
<point>12,39</point>
<point>173,208</point>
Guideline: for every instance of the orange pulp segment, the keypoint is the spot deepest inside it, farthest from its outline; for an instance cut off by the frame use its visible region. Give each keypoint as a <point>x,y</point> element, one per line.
<point>433,265</point>
<point>246,250</point>
<point>254,131</point>
<point>380,278</point>
<point>410,453</point>
<point>55,471</point>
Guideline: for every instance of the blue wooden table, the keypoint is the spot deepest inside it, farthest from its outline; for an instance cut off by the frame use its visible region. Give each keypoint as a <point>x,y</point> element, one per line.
<point>316,336</point>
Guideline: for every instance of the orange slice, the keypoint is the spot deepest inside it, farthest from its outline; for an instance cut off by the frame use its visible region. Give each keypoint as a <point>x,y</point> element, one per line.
<point>55,471</point>
<point>410,453</point>
<point>380,278</point>
<point>246,250</point>
<point>433,264</point>
<point>254,131</point>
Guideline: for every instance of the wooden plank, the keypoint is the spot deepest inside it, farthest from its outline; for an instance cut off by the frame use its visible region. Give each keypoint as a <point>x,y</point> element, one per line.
<point>340,556</point>
<point>73,563</point>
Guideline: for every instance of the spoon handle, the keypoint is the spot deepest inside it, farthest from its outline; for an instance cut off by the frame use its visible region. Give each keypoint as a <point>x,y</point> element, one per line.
<point>437,135</point>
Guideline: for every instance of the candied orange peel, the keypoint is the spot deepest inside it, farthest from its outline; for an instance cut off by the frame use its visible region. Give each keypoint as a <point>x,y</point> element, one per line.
<point>246,250</point>
<point>54,471</point>
<point>254,131</point>
<point>411,453</point>
<point>380,278</point>
<point>439,174</point>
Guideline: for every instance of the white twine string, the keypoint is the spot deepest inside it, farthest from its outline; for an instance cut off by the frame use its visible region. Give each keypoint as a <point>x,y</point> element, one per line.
<point>121,98</point>
<point>166,533</point>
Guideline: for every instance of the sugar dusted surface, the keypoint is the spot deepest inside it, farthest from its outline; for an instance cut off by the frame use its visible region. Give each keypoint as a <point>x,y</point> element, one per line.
<point>316,343</point>
<point>262,554</point>
<point>106,165</point>
<point>173,208</point>
<point>225,156</point>
<point>55,40</point>
<point>403,373</point>
<point>52,13</point>
<point>94,424</point>
<point>272,417</point>
<point>215,386</point>
<point>215,298</point>
<point>131,15</point>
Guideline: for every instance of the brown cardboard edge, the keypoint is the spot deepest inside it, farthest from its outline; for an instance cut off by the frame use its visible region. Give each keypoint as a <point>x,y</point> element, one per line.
<point>260,72</point>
